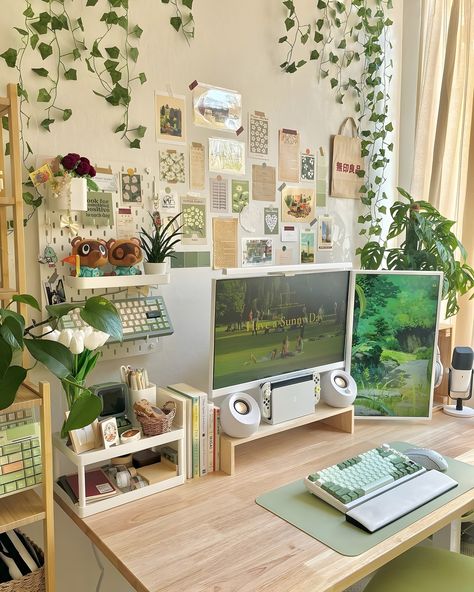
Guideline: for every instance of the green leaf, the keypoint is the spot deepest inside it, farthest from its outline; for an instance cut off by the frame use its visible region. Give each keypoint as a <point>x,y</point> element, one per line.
<point>133,53</point>
<point>321,4</point>
<point>283,39</point>
<point>91,2</point>
<point>6,355</point>
<point>21,31</point>
<point>55,356</point>
<point>40,72</point>
<point>12,332</point>
<point>134,143</point>
<point>45,50</point>
<point>56,23</point>
<point>43,96</point>
<point>46,123</point>
<point>142,77</point>
<point>389,127</point>
<point>95,52</point>
<point>85,409</point>
<point>123,22</point>
<point>26,299</point>
<point>70,74</point>
<point>29,12</point>
<point>89,67</point>
<point>141,131</point>
<point>5,122</point>
<point>333,82</point>
<point>7,149</point>
<point>188,3</point>
<point>314,55</point>
<point>301,63</point>
<point>342,44</point>
<point>67,114</point>
<point>113,52</point>
<point>40,26</point>
<point>318,37</point>
<point>101,314</point>
<point>120,128</point>
<point>319,24</point>
<point>289,23</point>
<point>10,57</point>
<point>9,385</point>
<point>176,22</point>
<point>34,40</point>
<point>137,31</point>
<point>80,24</point>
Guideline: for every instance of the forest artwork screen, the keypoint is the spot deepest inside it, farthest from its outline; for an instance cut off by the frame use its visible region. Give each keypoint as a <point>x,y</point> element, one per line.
<point>268,326</point>
<point>393,342</point>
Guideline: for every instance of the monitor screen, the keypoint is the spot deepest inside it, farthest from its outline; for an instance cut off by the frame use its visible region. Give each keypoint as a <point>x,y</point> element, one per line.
<point>394,333</point>
<point>274,327</point>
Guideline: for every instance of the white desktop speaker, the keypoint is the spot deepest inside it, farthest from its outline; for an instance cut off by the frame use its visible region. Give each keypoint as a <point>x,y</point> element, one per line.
<point>338,388</point>
<point>240,415</point>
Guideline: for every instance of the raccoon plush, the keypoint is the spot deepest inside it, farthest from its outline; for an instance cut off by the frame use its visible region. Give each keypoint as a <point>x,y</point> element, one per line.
<point>92,255</point>
<point>124,254</point>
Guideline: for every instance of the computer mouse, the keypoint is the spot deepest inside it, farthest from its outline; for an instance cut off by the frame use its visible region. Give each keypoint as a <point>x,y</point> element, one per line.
<point>430,459</point>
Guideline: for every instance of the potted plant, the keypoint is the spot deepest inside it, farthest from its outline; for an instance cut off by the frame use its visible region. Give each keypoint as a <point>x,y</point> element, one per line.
<point>70,354</point>
<point>72,178</point>
<point>429,245</point>
<point>159,245</point>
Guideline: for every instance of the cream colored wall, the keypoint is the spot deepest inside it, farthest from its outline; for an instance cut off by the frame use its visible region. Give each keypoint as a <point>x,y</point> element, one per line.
<point>235,47</point>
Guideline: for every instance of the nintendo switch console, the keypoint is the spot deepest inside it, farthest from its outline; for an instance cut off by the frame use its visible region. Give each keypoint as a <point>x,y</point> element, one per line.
<point>289,399</point>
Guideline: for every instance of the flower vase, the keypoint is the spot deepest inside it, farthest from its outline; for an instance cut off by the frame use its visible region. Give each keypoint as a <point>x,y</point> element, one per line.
<point>72,391</point>
<point>68,193</point>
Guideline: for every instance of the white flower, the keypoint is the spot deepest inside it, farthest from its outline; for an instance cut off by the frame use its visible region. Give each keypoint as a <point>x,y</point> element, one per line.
<point>65,337</point>
<point>95,339</point>
<point>77,342</point>
<point>49,334</point>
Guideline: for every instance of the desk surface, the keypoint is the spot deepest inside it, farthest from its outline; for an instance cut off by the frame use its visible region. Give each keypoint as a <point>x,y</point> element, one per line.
<point>209,534</point>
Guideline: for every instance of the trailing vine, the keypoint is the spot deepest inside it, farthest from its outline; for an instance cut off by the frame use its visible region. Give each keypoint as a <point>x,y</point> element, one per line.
<point>345,33</point>
<point>182,22</point>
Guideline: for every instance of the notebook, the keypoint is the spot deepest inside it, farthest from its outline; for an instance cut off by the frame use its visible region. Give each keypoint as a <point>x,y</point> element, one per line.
<point>98,485</point>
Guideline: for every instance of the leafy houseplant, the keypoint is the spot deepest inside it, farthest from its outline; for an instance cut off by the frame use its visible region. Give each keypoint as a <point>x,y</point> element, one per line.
<point>429,245</point>
<point>69,356</point>
<point>158,246</point>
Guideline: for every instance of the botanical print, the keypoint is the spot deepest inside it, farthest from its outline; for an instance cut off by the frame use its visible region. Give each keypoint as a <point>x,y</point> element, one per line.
<point>270,220</point>
<point>393,342</point>
<point>194,220</point>
<point>297,204</point>
<point>257,251</point>
<point>325,233</point>
<point>172,166</point>
<point>240,195</point>
<point>306,246</point>
<point>131,188</point>
<point>226,156</point>
<point>307,167</point>
<point>258,135</point>
<point>217,108</point>
<point>170,118</point>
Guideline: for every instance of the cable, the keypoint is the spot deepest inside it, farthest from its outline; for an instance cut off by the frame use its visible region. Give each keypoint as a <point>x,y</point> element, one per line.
<point>101,567</point>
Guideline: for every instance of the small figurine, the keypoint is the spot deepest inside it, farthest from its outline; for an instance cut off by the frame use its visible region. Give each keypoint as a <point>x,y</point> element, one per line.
<point>49,256</point>
<point>92,256</point>
<point>124,254</point>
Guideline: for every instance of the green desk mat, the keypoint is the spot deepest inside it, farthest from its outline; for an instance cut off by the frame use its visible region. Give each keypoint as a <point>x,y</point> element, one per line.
<point>302,509</point>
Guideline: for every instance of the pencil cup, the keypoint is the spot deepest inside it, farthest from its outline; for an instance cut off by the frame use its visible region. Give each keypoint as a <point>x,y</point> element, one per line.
<point>148,393</point>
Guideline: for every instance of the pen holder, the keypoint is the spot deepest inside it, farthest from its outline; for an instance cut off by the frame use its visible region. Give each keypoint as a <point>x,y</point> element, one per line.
<point>148,393</point>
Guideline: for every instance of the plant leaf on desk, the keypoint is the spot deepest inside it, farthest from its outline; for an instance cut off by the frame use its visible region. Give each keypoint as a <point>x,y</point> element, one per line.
<point>59,310</point>
<point>12,332</point>
<point>5,357</point>
<point>55,356</point>
<point>9,385</point>
<point>101,314</point>
<point>85,409</point>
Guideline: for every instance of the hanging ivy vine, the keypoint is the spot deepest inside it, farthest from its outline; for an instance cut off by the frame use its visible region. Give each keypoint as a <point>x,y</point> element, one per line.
<point>181,20</point>
<point>342,35</point>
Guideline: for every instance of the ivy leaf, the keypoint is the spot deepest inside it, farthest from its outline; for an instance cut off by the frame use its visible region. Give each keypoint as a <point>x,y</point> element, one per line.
<point>56,24</point>
<point>29,12</point>
<point>89,67</point>
<point>40,72</point>
<point>283,39</point>
<point>43,96</point>
<point>5,122</point>
<point>140,131</point>
<point>333,82</point>
<point>95,52</point>
<point>123,22</point>
<point>165,1</point>
<point>301,63</point>
<point>45,50</point>
<point>321,4</point>
<point>176,22</point>
<point>67,114</point>
<point>46,123</point>
<point>7,149</point>
<point>133,53</point>
<point>142,77</point>
<point>187,3</point>
<point>389,127</point>
<point>342,45</point>
<point>80,24</point>
<point>10,57</point>
<point>70,74</point>
<point>324,73</point>
<point>333,58</point>
<point>137,31</point>
<point>319,24</point>
<point>120,128</point>
<point>289,23</point>
<point>113,52</point>
<point>318,37</point>
<point>34,40</point>
<point>115,76</point>
<point>21,31</point>
<point>135,143</point>
<point>76,54</point>
<point>40,26</point>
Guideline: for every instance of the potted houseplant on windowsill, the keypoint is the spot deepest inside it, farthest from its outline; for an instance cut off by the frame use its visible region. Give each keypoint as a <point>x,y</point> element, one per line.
<point>158,245</point>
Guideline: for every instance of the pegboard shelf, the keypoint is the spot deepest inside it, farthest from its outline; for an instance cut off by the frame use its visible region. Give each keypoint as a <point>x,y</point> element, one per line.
<point>116,281</point>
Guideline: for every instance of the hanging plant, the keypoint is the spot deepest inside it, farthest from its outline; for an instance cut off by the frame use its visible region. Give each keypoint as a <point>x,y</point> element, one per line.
<point>180,21</point>
<point>345,38</point>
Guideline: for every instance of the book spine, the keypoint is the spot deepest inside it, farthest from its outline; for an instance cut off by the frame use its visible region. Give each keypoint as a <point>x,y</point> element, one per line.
<point>217,439</point>
<point>210,437</point>
<point>196,438</point>
<point>203,445</point>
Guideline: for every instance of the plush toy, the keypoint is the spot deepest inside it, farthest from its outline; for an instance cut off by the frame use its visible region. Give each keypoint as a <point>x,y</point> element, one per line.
<point>124,254</point>
<point>92,256</point>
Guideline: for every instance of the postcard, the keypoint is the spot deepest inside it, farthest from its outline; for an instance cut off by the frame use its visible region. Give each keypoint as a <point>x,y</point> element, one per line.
<point>226,156</point>
<point>258,135</point>
<point>307,167</point>
<point>240,195</point>
<point>325,233</point>
<point>289,233</point>
<point>197,179</point>
<point>270,220</point>
<point>297,204</point>
<point>172,166</point>
<point>168,202</point>
<point>263,182</point>
<point>131,187</point>
<point>217,108</point>
<point>289,156</point>
<point>218,189</point>
<point>307,244</point>
<point>225,242</point>
<point>285,256</point>
<point>257,251</point>
<point>170,118</point>
<point>194,220</point>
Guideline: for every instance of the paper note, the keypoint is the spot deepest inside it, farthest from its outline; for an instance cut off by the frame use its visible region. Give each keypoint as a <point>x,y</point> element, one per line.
<point>106,181</point>
<point>194,220</point>
<point>219,195</point>
<point>289,234</point>
<point>197,167</point>
<point>289,156</point>
<point>321,179</point>
<point>225,242</point>
<point>99,209</point>
<point>126,226</point>
<point>217,108</point>
<point>172,166</point>
<point>263,182</point>
<point>285,256</point>
<point>258,135</point>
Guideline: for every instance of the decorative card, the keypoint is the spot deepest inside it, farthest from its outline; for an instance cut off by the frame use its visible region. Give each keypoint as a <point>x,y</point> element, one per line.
<point>126,225</point>
<point>258,135</point>
<point>307,246</point>
<point>297,204</point>
<point>307,167</point>
<point>289,156</point>
<point>99,209</point>
<point>257,251</point>
<point>172,166</point>
<point>219,195</point>
<point>170,118</point>
<point>194,220</point>
<point>225,242</point>
<point>168,203</point>
<point>263,182</point>
<point>270,220</point>
<point>197,171</point>
<point>131,187</point>
<point>240,195</point>
<point>217,108</point>
<point>226,156</point>
<point>325,233</point>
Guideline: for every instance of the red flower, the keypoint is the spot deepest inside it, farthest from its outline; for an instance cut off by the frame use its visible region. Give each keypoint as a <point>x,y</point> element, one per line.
<point>92,172</point>
<point>83,168</point>
<point>70,161</point>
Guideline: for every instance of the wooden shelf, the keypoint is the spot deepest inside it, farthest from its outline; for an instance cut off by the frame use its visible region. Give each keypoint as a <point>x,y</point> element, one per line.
<point>116,281</point>
<point>19,509</point>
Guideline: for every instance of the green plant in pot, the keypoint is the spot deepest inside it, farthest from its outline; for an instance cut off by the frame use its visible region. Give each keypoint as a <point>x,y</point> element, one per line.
<point>70,354</point>
<point>158,245</point>
<point>429,245</point>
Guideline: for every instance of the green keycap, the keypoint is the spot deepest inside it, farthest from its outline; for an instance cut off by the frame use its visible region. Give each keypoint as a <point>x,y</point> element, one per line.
<point>313,477</point>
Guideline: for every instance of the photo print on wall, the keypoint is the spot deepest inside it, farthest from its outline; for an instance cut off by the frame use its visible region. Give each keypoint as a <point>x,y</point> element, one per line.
<point>170,118</point>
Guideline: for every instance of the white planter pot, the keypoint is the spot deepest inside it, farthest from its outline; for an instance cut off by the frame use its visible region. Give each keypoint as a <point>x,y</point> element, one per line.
<point>70,195</point>
<point>155,268</point>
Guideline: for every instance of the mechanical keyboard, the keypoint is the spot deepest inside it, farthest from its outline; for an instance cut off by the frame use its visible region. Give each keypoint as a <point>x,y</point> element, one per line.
<point>141,318</point>
<point>355,480</point>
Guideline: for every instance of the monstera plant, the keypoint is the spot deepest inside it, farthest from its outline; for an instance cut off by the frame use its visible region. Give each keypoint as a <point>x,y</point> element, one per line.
<point>70,355</point>
<point>428,244</point>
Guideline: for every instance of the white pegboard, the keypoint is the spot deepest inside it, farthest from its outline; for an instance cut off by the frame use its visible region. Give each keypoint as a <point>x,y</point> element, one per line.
<point>52,235</point>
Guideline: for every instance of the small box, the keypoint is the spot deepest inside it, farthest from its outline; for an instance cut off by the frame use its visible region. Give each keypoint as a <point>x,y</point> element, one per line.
<point>146,457</point>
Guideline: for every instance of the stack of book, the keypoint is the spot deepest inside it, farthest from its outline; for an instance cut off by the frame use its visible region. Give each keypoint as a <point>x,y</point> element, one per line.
<point>98,485</point>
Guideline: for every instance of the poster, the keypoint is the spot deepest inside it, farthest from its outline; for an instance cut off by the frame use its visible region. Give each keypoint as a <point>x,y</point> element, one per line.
<point>258,135</point>
<point>197,178</point>
<point>289,156</point>
<point>226,156</point>
<point>270,220</point>
<point>194,220</point>
<point>263,182</point>
<point>240,195</point>
<point>217,108</point>
<point>170,118</point>
<point>225,242</point>
<point>325,233</point>
<point>172,166</point>
<point>297,204</point>
<point>99,209</point>
<point>131,187</point>
<point>257,251</point>
<point>307,254</point>
<point>218,189</point>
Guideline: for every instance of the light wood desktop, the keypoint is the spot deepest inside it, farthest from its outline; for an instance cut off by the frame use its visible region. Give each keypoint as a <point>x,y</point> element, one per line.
<point>209,534</point>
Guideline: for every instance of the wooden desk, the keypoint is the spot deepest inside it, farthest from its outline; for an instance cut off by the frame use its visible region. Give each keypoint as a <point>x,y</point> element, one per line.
<point>209,534</point>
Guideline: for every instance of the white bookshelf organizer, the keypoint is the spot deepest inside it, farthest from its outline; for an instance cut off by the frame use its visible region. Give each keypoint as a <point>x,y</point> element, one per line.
<point>98,457</point>
<point>116,281</point>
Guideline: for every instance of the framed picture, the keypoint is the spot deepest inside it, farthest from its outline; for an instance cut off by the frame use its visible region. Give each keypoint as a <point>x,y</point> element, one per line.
<point>85,438</point>
<point>217,108</point>
<point>109,429</point>
<point>170,118</point>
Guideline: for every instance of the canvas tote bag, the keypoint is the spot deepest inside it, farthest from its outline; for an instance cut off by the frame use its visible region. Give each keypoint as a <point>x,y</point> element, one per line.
<point>346,161</point>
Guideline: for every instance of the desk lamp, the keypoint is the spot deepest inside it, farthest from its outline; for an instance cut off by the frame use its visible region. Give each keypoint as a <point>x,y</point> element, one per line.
<point>460,382</point>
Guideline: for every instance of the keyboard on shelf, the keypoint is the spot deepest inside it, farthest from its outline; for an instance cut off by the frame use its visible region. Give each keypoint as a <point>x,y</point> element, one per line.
<point>141,318</point>
<point>357,479</point>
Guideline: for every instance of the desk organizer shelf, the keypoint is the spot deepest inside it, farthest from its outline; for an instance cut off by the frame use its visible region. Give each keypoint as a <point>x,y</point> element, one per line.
<point>116,281</point>
<point>170,477</point>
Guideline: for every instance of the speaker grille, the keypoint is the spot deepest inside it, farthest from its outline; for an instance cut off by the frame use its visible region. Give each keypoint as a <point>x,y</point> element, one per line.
<point>241,407</point>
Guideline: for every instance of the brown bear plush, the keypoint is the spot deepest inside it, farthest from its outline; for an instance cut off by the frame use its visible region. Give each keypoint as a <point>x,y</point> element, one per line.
<point>92,255</point>
<point>125,254</point>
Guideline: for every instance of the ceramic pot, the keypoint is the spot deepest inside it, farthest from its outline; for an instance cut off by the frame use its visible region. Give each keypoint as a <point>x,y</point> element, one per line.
<point>68,193</point>
<point>155,268</point>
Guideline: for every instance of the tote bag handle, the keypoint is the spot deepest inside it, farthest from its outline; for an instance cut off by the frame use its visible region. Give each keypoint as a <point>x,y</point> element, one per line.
<point>353,130</point>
